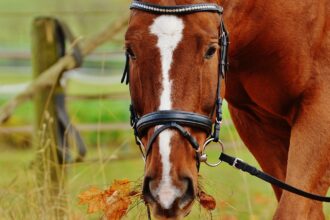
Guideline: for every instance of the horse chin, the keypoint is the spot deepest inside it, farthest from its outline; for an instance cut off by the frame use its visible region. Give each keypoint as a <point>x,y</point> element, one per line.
<point>174,213</point>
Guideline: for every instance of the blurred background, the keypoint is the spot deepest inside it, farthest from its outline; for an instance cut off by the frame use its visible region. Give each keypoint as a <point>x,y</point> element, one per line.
<point>97,105</point>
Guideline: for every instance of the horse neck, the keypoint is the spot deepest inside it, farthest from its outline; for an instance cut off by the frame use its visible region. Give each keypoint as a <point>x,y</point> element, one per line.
<point>244,20</point>
<point>259,23</point>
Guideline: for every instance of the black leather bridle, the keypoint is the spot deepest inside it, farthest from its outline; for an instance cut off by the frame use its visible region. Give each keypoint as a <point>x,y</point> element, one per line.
<point>175,119</point>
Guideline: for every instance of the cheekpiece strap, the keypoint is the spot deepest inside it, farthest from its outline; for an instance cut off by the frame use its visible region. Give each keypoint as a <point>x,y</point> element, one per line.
<point>177,9</point>
<point>224,45</point>
<point>218,120</point>
<point>125,77</point>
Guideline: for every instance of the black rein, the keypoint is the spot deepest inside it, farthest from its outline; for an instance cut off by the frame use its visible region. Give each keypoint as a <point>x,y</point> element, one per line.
<point>241,165</point>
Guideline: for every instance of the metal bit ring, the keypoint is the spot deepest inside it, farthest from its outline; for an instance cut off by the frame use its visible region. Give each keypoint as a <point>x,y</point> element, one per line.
<point>203,157</point>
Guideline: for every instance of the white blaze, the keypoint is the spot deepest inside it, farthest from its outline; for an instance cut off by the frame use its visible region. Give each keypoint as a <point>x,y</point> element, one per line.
<point>169,30</point>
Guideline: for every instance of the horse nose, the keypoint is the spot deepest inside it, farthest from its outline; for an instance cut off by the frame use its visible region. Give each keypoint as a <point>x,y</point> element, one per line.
<point>169,196</point>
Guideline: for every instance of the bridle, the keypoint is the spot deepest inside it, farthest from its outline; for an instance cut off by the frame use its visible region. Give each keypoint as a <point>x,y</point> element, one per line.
<point>174,119</point>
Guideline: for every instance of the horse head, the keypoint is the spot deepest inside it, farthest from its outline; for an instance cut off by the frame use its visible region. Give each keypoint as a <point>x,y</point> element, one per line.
<point>173,56</point>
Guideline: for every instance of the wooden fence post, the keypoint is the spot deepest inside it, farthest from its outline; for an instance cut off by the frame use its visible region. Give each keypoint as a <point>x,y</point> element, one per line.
<point>47,47</point>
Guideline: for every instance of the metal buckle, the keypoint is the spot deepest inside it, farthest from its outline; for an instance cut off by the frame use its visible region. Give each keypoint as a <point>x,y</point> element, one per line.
<point>218,121</point>
<point>236,161</point>
<point>203,157</point>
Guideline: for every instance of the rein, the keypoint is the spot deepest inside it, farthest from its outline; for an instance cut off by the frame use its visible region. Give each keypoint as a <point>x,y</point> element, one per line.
<point>241,165</point>
<point>174,119</point>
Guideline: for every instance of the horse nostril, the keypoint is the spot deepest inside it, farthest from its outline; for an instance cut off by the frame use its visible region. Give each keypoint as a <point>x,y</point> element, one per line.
<point>189,194</point>
<point>146,191</point>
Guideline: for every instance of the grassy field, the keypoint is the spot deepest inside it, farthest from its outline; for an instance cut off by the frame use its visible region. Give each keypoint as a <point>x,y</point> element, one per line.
<point>238,196</point>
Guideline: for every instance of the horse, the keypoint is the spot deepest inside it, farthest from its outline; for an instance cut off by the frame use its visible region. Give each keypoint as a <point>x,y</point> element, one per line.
<point>277,89</point>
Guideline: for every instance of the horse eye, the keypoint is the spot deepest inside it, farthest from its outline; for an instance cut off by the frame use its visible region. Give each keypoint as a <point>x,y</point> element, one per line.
<point>130,53</point>
<point>210,52</point>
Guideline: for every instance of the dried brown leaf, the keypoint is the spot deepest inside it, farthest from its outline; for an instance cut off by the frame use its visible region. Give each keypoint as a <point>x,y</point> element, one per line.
<point>207,201</point>
<point>94,198</point>
<point>114,201</point>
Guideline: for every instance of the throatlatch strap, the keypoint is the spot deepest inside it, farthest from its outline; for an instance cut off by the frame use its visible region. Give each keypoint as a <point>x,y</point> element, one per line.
<point>239,164</point>
<point>222,69</point>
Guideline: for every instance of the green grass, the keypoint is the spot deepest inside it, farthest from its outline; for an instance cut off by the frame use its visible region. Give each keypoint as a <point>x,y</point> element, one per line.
<point>238,195</point>
<point>81,88</point>
<point>234,194</point>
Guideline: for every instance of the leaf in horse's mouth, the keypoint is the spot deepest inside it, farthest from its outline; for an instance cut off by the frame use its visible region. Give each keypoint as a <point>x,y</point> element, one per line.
<point>114,201</point>
<point>207,201</point>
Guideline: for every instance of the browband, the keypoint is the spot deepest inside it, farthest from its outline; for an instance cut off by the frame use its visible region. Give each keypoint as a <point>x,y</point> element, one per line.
<point>177,9</point>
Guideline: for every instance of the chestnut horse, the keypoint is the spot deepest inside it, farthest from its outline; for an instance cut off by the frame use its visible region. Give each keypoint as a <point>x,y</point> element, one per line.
<point>278,90</point>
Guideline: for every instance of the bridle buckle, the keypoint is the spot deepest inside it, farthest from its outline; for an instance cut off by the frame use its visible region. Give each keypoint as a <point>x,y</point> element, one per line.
<point>236,162</point>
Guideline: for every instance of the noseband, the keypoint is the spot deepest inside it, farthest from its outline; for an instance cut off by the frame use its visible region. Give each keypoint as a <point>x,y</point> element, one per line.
<point>173,119</point>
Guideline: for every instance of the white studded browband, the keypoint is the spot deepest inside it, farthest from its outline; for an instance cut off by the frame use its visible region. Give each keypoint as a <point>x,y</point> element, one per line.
<point>178,9</point>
